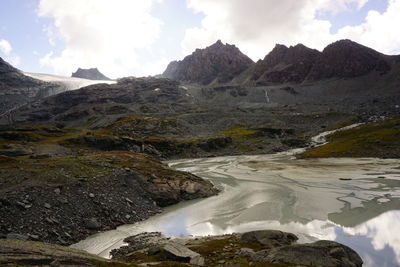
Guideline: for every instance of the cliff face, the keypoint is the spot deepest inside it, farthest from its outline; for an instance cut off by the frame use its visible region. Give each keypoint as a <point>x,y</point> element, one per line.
<point>218,62</point>
<point>90,74</point>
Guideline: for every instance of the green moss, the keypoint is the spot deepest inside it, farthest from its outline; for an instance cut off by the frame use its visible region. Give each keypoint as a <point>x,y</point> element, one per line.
<point>100,263</point>
<point>380,139</point>
<point>341,124</point>
<point>238,132</point>
<point>53,170</point>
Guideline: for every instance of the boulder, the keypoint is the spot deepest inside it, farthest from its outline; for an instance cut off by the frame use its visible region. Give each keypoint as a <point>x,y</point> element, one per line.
<point>92,224</point>
<point>269,238</point>
<point>177,252</point>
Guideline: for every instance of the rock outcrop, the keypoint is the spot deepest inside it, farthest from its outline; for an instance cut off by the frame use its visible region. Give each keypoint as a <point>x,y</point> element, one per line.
<point>218,63</point>
<point>90,74</point>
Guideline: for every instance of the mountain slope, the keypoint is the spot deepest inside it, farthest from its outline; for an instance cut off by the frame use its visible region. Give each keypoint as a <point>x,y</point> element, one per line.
<point>218,62</point>
<point>17,88</point>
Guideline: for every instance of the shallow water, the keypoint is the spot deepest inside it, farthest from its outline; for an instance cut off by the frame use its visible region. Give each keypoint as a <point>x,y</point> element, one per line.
<point>305,197</point>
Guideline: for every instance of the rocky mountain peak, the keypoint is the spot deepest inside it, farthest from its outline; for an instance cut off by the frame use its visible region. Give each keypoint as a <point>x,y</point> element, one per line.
<point>285,64</point>
<point>218,62</point>
<point>347,59</point>
<point>90,74</point>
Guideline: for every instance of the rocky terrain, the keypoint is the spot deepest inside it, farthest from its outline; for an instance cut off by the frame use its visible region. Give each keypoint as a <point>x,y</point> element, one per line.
<point>90,74</point>
<point>40,193</point>
<point>258,248</point>
<point>45,176</point>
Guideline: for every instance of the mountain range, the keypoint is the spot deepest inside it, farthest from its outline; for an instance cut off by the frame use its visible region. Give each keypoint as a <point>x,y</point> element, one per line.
<point>221,63</point>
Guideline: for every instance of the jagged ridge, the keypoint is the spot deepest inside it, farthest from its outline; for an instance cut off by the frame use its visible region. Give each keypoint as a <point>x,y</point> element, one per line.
<point>295,64</point>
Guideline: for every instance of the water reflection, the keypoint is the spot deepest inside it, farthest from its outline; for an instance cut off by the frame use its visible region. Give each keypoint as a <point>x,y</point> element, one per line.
<point>305,197</point>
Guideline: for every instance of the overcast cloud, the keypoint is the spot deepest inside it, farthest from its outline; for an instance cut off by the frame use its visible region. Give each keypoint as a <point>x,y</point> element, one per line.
<point>120,36</point>
<point>256,26</point>
<point>106,34</point>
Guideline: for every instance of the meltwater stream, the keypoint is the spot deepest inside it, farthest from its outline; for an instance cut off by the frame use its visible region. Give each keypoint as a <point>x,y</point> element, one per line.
<point>312,198</point>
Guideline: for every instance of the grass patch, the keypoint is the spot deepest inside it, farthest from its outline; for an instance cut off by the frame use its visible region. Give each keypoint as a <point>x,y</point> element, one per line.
<point>379,139</point>
<point>341,125</point>
<point>239,132</point>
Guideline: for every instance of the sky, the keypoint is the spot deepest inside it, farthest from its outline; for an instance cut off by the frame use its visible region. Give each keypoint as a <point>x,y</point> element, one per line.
<point>140,37</point>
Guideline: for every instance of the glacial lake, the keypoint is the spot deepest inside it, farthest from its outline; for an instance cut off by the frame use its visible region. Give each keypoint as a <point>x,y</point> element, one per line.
<point>354,201</point>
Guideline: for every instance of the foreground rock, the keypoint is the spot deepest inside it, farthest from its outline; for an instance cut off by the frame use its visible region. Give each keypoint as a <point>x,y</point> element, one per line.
<point>257,248</point>
<point>28,253</point>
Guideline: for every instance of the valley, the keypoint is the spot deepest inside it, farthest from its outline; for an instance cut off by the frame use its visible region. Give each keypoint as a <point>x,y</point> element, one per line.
<point>79,156</point>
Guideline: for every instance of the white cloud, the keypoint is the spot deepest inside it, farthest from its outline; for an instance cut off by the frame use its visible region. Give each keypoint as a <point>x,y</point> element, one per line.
<point>381,231</point>
<point>110,35</point>
<point>5,47</point>
<point>380,31</point>
<point>256,26</point>
<point>14,60</point>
